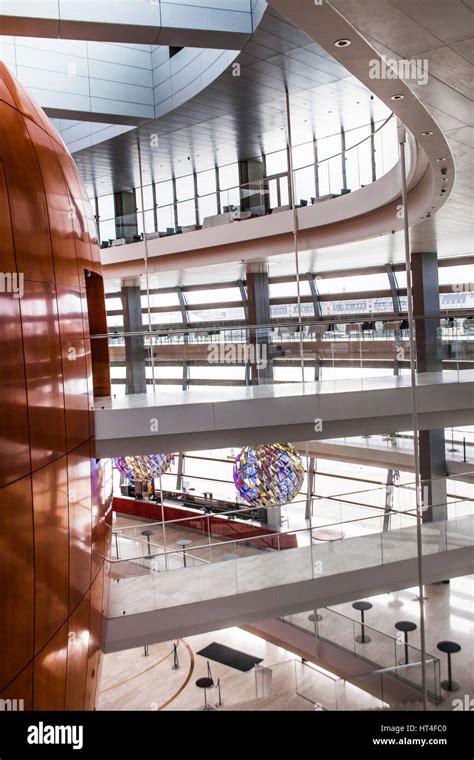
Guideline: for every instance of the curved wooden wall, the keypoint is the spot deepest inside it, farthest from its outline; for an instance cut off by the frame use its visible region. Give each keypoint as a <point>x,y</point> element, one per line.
<point>54,496</point>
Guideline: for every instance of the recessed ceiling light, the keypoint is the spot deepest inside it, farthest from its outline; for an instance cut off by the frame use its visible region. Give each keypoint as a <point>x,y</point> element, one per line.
<point>427,133</point>
<point>441,159</point>
<point>397,97</point>
<point>444,179</point>
<point>342,43</point>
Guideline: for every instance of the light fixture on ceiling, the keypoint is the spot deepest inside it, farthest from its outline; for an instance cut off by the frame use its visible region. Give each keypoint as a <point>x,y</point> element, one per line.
<point>342,43</point>
<point>441,159</point>
<point>427,133</point>
<point>397,97</point>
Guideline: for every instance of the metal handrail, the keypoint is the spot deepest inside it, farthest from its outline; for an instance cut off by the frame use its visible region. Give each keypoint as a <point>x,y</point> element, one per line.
<point>244,327</point>
<point>276,535</point>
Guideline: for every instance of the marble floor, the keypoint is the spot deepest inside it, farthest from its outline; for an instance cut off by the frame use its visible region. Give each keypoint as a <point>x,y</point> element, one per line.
<point>131,681</point>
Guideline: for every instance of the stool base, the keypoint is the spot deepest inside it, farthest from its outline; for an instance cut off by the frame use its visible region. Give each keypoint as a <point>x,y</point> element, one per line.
<point>364,640</point>
<point>450,685</point>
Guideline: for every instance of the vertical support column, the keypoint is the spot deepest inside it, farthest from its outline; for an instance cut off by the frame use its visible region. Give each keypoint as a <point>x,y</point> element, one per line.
<point>429,359</point>
<point>311,462</point>
<point>258,298</point>
<point>388,500</point>
<point>126,221</point>
<point>184,317</point>
<point>135,344</point>
<point>392,279</point>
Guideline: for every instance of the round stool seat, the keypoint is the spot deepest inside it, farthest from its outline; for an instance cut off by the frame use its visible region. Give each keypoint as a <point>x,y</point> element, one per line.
<point>229,557</point>
<point>450,647</point>
<point>405,626</point>
<point>148,532</point>
<point>362,607</point>
<point>183,542</point>
<point>204,683</point>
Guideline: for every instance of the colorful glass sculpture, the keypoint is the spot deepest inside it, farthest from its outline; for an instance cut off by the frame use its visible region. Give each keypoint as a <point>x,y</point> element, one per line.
<point>143,467</point>
<point>268,475</point>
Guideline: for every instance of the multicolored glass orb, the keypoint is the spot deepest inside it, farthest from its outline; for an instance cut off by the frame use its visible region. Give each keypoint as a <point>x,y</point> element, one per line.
<point>143,467</point>
<point>268,475</point>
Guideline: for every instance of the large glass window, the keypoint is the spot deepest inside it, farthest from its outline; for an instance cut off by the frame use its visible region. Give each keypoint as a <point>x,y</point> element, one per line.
<point>206,182</point>
<point>185,188</point>
<point>148,202</point>
<point>305,185</point>
<point>228,176</point>
<point>303,155</point>
<point>207,207</point>
<point>106,206</point>
<point>187,213</point>
<point>164,193</point>
<point>386,147</point>
<point>277,163</point>
<point>330,165</point>
<point>217,296</point>
<point>354,284</point>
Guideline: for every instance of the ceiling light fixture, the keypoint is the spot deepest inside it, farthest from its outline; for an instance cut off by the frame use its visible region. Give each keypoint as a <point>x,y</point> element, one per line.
<point>441,159</point>
<point>342,43</point>
<point>427,133</point>
<point>397,97</point>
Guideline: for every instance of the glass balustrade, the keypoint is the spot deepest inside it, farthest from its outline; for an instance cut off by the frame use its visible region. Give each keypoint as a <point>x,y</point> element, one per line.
<point>311,183</point>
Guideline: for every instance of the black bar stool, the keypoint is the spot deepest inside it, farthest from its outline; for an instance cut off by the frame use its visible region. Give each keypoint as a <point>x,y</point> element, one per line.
<point>449,647</point>
<point>362,607</point>
<point>405,626</point>
<point>148,533</point>
<point>205,683</point>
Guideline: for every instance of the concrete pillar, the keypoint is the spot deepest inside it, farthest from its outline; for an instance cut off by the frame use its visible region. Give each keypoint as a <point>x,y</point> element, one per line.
<point>134,346</point>
<point>258,296</point>
<point>126,221</point>
<point>429,359</point>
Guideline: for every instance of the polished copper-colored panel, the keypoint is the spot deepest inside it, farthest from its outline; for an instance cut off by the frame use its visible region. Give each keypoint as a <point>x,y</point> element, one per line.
<point>21,689</point>
<point>78,648</point>
<point>74,366</point>
<point>79,217</point>
<point>44,377</point>
<point>49,236</point>
<point>16,579</point>
<point>98,326</point>
<point>80,516</point>
<point>5,93</point>
<point>98,518</point>
<point>51,524</point>
<point>7,253</point>
<point>14,436</point>
<point>95,629</point>
<point>60,208</point>
<point>50,673</point>
<point>27,199</point>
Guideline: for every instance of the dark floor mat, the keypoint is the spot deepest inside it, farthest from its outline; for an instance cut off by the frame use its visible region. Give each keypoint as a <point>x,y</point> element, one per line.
<point>231,657</point>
